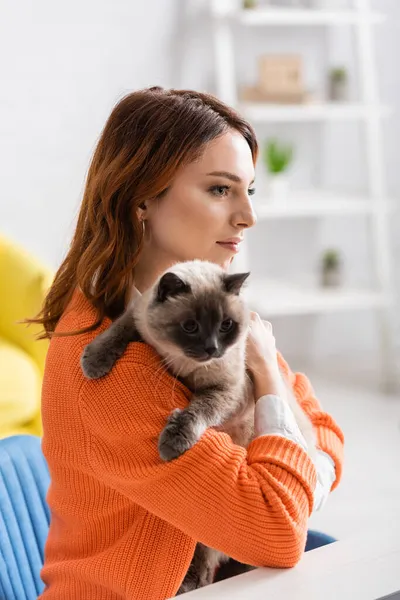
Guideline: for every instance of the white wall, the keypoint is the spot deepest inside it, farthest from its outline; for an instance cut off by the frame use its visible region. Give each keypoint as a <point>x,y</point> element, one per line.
<point>63,67</point>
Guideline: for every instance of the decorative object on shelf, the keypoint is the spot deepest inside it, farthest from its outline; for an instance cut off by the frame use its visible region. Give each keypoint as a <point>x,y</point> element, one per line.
<point>280,80</point>
<point>331,268</point>
<point>338,88</point>
<point>296,3</point>
<point>277,158</point>
<point>250,3</point>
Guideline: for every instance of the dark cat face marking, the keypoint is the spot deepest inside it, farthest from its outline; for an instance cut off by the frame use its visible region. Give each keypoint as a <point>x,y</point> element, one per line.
<point>202,322</point>
<point>206,329</point>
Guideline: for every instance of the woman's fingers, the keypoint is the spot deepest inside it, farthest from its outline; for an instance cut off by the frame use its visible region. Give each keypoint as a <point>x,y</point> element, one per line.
<point>267,326</point>
<point>256,320</point>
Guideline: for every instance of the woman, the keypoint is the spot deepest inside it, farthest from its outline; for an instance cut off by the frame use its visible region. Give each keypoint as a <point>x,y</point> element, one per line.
<point>171,180</point>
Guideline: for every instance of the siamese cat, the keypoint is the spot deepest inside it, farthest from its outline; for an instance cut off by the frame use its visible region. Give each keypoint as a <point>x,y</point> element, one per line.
<point>196,319</point>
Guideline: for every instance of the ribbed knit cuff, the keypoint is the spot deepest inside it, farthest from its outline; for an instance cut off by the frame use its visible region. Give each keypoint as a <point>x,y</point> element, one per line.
<point>289,456</point>
<point>331,443</point>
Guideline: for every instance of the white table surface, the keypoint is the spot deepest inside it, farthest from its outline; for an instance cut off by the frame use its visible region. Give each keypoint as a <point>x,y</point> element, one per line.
<point>365,567</point>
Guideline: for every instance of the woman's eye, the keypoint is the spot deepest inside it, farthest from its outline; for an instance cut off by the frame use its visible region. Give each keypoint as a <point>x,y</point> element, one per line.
<point>220,190</point>
<point>190,326</point>
<point>226,325</point>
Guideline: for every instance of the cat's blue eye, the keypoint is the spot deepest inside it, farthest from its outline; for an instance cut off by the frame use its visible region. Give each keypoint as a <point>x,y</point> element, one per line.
<point>190,326</point>
<point>226,326</point>
<point>219,190</point>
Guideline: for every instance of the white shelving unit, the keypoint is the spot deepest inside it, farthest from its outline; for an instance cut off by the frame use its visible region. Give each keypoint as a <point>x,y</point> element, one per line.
<point>304,16</point>
<point>271,297</point>
<point>315,203</point>
<point>276,113</point>
<point>278,298</point>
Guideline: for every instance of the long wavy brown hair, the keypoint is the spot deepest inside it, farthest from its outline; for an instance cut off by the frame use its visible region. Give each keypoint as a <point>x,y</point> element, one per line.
<point>148,136</point>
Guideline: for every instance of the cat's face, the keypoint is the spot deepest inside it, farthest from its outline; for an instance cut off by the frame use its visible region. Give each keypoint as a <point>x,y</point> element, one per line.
<point>196,307</point>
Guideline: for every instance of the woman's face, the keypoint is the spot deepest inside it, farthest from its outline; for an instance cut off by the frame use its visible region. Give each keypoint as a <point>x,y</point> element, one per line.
<point>205,212</point>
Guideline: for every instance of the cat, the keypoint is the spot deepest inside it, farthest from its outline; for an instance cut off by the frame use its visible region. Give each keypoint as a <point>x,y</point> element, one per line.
<point>197,320</point>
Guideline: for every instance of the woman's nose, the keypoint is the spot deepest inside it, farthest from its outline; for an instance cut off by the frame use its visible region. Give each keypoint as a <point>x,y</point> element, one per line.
<point>246,217</point>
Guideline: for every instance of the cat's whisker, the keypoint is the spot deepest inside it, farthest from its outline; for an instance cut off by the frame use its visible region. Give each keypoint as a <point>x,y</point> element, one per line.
<point>176,379</point>
<point>166,363</point>
<point>176,375</point>
<point>159,370</point>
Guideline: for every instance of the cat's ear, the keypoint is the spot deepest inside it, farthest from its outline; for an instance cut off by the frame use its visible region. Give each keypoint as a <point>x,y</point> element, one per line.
<point>233,283</point>
<point>170,285</point>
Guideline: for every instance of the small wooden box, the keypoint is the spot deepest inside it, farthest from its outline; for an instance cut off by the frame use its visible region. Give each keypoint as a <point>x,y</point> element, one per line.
<point>254,94</point>
<point>280,75</point>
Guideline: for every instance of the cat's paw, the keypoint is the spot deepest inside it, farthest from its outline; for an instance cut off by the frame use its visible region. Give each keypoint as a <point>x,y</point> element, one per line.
<point>95,362</point>
<point>178,436</point>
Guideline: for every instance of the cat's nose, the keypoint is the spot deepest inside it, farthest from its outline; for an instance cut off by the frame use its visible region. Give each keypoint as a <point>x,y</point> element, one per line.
<point>211,347</point>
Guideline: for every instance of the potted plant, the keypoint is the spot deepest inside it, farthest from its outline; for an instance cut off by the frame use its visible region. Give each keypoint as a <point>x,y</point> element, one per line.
<point>338,84</point>
<point>331,268</point>
<point>277,158</point>
<point>250,3</point>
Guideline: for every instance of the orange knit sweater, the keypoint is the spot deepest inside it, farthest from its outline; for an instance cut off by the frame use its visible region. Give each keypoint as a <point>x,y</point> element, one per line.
<point>124,525</point>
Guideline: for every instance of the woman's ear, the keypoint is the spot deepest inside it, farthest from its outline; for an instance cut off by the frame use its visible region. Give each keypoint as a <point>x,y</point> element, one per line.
<point>146,209</point>
<point>141,211</point>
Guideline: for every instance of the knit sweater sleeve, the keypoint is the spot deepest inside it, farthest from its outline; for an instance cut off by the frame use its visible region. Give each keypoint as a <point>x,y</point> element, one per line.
<point>330,437</point>
<point>252,504</point>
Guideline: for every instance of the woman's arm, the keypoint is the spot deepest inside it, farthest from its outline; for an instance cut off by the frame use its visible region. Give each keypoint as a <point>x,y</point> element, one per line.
<point>251,504</point>
<point>273,416</point>
<point>330,438</point>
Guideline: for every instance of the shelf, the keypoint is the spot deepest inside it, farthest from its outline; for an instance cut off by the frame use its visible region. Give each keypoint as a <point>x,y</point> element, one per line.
<point>313,203</point>
<point>263,112</point>
<point>276,16</point>
<point>271,297</point>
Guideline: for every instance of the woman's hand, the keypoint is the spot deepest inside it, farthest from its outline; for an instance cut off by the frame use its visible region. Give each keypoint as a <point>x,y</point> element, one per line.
<point>261,358</point>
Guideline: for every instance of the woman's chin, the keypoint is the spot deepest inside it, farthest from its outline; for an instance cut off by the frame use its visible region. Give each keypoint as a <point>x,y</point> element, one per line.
<point>222,261</point>
<point>226,265</point>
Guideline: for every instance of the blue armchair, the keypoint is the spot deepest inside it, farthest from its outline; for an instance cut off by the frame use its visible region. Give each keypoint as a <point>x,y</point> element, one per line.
<point>24,516</point>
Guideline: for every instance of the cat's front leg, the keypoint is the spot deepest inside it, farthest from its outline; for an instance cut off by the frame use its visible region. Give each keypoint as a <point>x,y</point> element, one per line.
<point>181,432</point>
<point>185,427</point>
<point>99,357</point>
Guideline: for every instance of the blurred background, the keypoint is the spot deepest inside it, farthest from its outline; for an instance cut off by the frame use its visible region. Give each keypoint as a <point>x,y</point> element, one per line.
<point>319,81</point>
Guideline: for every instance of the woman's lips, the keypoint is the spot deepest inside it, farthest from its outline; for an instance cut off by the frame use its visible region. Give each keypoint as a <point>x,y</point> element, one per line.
<point>231,246</point>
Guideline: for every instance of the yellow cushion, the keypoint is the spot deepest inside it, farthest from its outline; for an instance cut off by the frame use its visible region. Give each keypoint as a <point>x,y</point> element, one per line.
<point>24,283</point>
<point>33,427</point>
<point>20,387</point>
